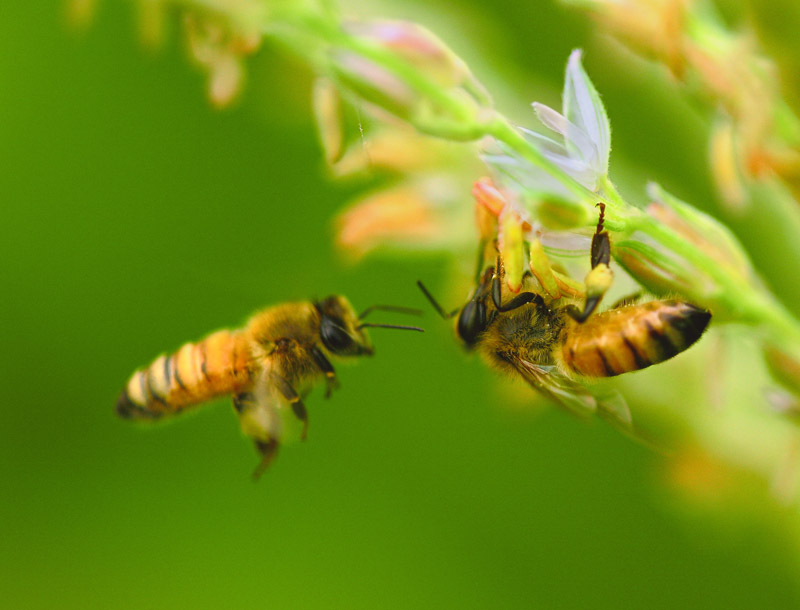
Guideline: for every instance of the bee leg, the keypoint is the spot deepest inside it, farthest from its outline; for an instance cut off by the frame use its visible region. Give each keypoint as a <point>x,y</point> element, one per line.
<point>599,279</point>
<point>326,367</point>
<point>298,408</point>
<point>521,299</point>
<point>268,450</point>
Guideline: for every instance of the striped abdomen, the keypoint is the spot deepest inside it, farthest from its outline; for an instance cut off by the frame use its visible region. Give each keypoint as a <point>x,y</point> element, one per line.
<point>197,372</point>
<point>632,337</point>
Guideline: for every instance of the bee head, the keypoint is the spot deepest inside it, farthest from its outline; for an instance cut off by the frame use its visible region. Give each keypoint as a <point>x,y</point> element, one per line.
<point>472,321</point>
<point>339,328</point>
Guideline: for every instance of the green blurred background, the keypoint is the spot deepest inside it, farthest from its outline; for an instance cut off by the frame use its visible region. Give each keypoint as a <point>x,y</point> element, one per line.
<point>136,218</point>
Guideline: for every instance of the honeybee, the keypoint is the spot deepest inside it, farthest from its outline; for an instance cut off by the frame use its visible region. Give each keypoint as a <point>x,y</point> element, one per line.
<point>269,365</point>
<point>554,345</point>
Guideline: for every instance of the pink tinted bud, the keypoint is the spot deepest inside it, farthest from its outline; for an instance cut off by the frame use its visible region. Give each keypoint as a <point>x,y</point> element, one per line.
<point>416,45</point>
<point>373,82</point>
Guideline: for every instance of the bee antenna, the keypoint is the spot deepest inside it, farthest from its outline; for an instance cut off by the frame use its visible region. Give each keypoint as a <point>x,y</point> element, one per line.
<point>435,303</point>
<point>409,310</point>
<point>397,326</point>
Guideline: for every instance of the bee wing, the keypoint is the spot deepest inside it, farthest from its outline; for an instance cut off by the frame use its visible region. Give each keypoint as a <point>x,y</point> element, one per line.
<point>569,394</point>
<point>577,398</point>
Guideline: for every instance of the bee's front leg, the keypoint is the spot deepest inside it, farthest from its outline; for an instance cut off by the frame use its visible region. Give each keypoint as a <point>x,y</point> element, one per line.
<point>599,279</point>
<point>326,367</point>
<point>519,300</point>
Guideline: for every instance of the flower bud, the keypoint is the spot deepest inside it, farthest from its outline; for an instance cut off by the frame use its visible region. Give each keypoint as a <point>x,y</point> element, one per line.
<point>404,217</point>
<point>218,45</point>
<point>415,44</point>
<point>373,83</point>
<point>327,106</point>
<point>725,167</point>
<point>225,79</point>
<point>703,231</point>
<point>404,69</point>
<point>655,270</point>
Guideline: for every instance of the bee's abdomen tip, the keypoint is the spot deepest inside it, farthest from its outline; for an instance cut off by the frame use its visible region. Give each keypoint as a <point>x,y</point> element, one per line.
<point>689,320</point>
<point>698,320</point>
<point>127,409</point>
<point>124,405</point>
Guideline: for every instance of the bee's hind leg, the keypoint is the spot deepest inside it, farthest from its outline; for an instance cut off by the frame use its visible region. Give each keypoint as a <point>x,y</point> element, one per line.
<point>326,367</point>
<point>599,279</point>
<point>255,422</point>
<point>268,450</point>
<point>289,393</point>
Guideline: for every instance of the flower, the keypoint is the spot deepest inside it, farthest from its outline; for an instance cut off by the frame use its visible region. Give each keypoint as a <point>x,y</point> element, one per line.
<point>583,150</point>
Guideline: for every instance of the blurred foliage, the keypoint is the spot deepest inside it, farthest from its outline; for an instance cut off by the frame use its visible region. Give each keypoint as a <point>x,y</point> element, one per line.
<point>137,217</point>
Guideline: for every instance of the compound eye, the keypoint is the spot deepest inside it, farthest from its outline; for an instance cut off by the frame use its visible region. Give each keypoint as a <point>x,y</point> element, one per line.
<point>472,322</point>
<point>334,336</point>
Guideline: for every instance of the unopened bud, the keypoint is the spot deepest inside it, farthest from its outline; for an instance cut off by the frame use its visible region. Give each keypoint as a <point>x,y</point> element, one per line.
<point>703,231</point>
<point>416,45</point>
<point>373,83</point>
<point>225,80</point>
<point>725,167</point>
<point>401,215</point>
<point>653,269</point>
<point>327,106</point>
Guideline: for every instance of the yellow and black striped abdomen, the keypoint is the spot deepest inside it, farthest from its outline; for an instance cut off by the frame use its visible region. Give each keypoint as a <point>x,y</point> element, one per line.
<point>197,372</point>
<point>632,337</point>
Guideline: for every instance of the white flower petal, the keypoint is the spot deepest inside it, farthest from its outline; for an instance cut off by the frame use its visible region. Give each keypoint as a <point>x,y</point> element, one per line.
<point>532,179</point>
<point>562,243</point>
<point>582,106</point>
<point>576,140</point>
<point>578,168</point>
<point>543,143</point>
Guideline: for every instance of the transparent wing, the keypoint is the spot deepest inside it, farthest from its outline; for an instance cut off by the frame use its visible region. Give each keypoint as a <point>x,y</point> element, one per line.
<point>569,394</point>
<point>577,398</point>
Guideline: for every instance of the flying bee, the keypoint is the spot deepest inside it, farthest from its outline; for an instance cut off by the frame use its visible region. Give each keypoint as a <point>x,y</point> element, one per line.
<point>269,365</point>
<point>554,345</point>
